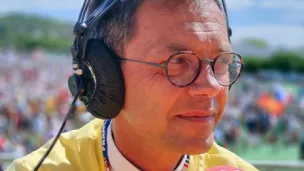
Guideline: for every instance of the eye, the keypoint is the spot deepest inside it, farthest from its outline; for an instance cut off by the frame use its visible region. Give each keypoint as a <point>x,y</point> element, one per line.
<point>178,60</point>
<point>225,60</point>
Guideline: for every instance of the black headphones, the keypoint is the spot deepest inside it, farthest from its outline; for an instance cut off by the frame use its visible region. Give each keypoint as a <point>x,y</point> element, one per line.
<point>96,68</point>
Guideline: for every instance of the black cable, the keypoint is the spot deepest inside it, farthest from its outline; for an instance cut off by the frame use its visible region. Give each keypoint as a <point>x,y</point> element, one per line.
<point>100,11</point>
<point>67,117</point>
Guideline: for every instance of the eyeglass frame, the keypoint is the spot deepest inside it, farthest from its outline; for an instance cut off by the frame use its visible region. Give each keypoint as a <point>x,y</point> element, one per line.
<point>212,62</point>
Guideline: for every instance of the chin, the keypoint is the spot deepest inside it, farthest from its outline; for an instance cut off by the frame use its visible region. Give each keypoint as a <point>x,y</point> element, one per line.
<point>200,149</point>
<point>198,146</point>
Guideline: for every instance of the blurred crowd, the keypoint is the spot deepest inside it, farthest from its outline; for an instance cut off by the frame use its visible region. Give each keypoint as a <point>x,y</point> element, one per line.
<point>34,98</point>
<point>264,109</point>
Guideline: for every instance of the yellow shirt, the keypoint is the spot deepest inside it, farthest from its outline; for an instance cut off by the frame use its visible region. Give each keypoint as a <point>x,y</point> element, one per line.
<point>81,150</point>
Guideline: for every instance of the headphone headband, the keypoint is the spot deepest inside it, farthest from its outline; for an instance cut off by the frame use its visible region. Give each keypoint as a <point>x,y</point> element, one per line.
<point>84,25</point>
<point>83,29</point>
<point>229,30</point>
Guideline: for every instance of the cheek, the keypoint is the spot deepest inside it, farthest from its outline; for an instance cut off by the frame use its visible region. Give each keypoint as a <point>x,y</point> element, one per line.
<point>149,97</point>
<point>133,89</point>
<point>222,100</point>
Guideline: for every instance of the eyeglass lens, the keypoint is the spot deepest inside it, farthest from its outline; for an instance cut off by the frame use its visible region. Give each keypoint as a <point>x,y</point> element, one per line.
<point>183,68</point>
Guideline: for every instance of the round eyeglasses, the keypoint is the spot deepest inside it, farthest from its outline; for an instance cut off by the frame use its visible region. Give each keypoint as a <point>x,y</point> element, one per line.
<point>183,68</point>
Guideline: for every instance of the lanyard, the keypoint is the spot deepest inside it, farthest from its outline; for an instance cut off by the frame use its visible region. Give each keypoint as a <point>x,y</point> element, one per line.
<point>105,148</point>
<point>105,144</point>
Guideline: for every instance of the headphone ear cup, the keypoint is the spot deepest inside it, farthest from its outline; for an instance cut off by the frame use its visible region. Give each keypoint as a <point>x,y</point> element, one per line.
<point>103,81</point>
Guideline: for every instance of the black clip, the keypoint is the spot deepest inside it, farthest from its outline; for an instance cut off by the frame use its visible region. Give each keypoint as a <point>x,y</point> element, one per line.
<point>75,51</point>
<point>79,28</point>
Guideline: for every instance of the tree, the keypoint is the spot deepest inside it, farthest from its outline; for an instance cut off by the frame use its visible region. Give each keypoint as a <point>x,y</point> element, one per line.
<point>285,61</point>
<point>257,43</point>
<point>29,31</point>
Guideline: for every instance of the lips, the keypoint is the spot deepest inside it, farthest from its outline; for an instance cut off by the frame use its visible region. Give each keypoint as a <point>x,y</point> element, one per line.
<point>197,116</point>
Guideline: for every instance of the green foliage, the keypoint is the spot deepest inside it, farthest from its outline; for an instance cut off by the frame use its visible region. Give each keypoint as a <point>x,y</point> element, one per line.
<point>286,61</point>
<point>258,43</point>
<point>253,64</point>
<point>25,42</point>
<point>26,32</point>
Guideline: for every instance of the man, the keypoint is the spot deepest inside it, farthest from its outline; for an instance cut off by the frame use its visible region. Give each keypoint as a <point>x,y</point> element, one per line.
<point>170,112</point>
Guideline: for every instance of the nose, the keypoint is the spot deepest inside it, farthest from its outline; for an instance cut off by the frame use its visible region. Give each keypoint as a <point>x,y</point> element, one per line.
<point>205,84</point>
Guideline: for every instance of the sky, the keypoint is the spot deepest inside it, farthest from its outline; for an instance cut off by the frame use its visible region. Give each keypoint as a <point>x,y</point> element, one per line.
<point>278,22</point>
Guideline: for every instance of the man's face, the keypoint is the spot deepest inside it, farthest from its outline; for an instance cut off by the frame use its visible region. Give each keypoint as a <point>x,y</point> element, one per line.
<point>170,116</point>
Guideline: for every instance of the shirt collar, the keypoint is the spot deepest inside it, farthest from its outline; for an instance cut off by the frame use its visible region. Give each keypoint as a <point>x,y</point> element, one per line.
<point>118,162</point>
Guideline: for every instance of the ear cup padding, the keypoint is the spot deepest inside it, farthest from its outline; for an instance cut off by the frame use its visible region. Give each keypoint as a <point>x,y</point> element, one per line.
<point>103,67</point>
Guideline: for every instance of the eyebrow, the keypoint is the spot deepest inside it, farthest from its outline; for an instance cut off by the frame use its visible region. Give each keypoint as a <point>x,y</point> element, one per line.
<point>177,47</point>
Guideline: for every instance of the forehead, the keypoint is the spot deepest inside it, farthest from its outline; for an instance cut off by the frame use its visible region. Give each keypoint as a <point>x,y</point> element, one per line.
<point>192,25</point>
